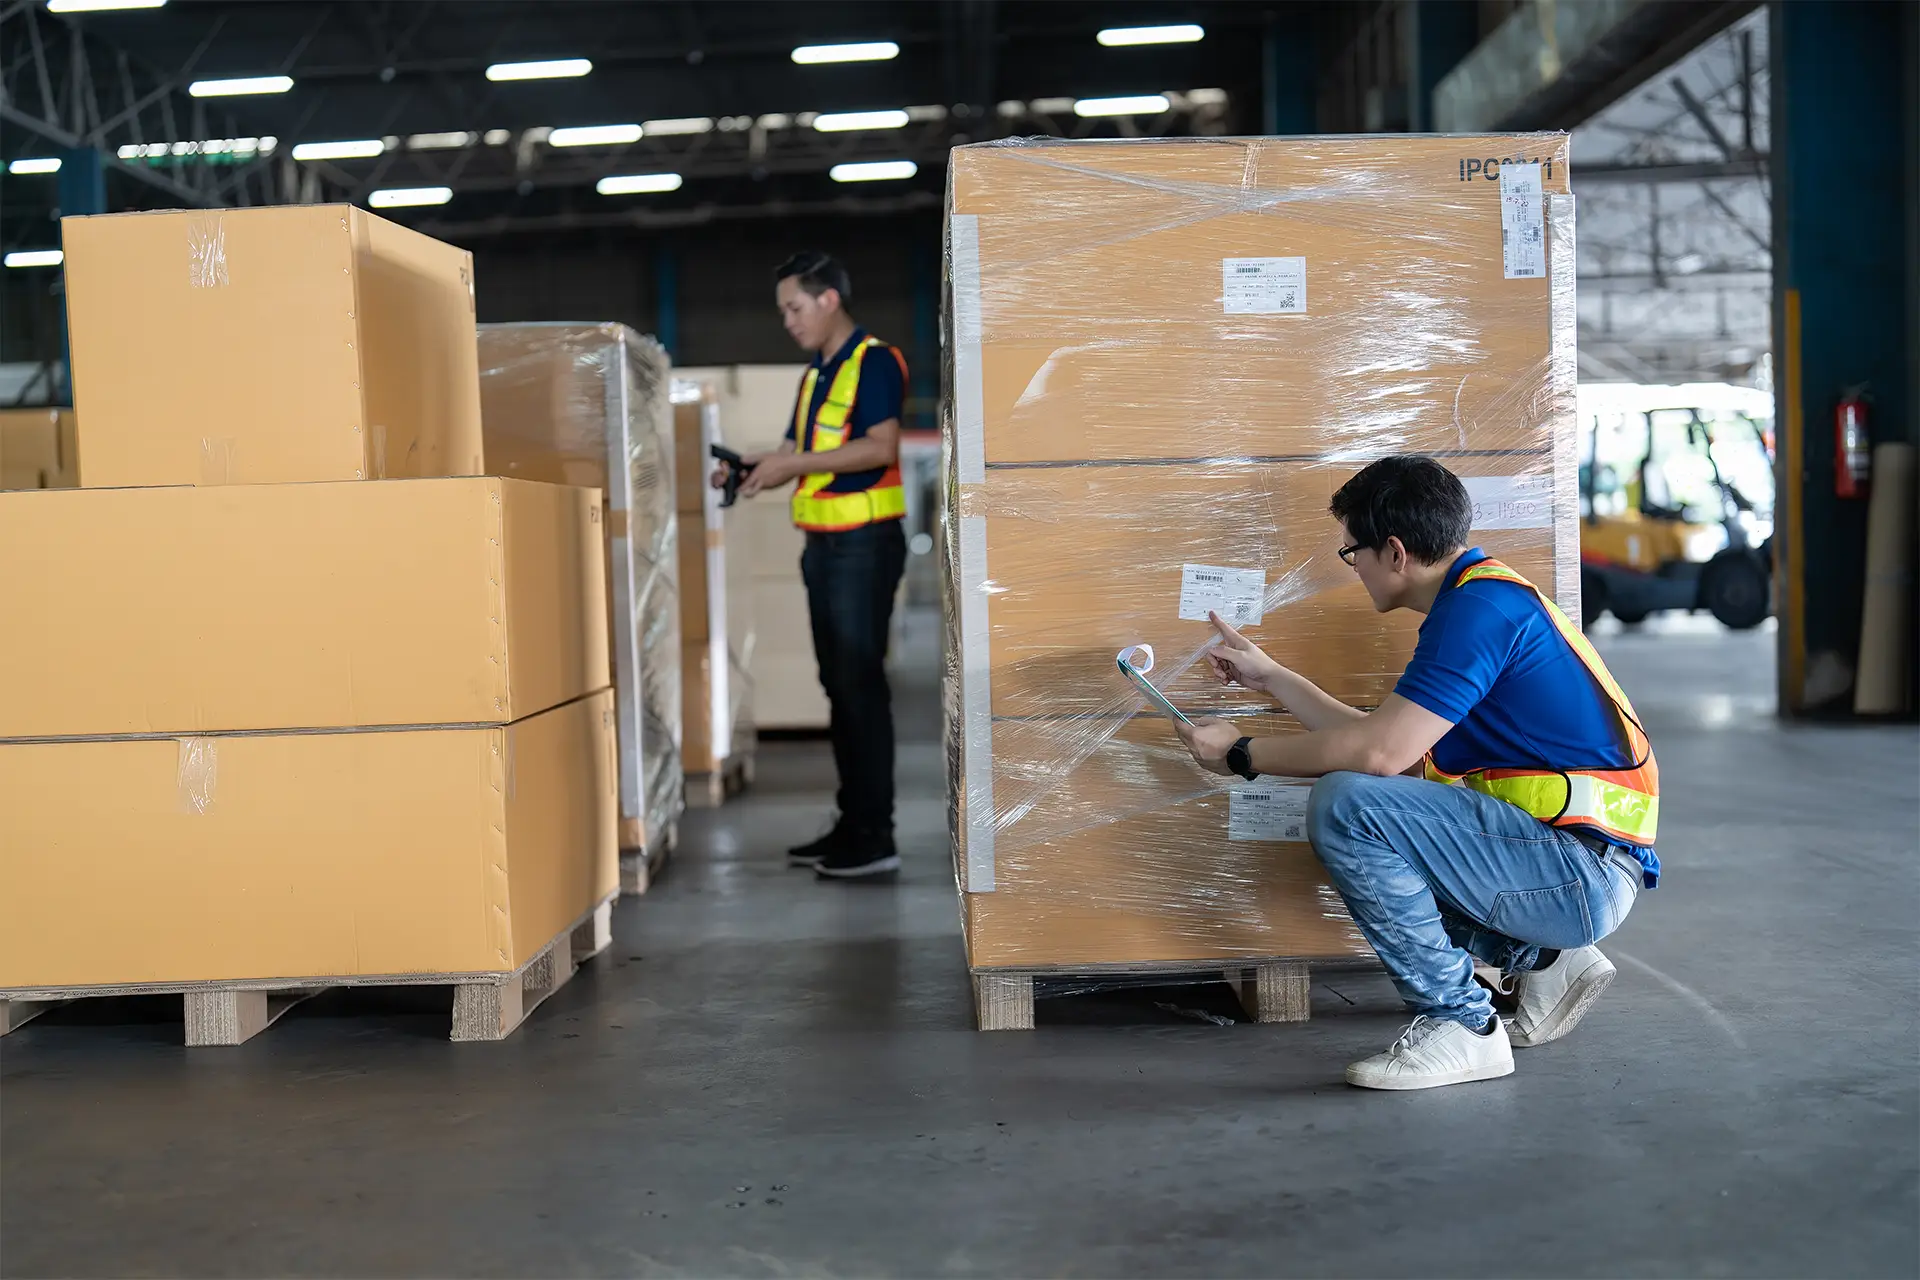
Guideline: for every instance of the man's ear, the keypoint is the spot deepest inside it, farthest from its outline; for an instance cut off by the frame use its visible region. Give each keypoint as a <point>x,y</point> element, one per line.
<point>1399,557</point>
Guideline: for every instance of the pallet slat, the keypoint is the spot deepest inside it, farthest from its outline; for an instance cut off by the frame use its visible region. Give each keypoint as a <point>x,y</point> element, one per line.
<point>1270,991</point>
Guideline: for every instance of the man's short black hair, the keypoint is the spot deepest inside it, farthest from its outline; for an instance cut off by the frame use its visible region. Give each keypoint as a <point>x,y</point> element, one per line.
<point>817,272</point>
<point>1413,499</point>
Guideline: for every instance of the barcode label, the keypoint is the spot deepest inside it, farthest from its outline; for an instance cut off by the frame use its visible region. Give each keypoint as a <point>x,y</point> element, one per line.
<point>1263,286</point>
<point>1267,811</point>
<point>1238,595</point>
<point>1523,232</point>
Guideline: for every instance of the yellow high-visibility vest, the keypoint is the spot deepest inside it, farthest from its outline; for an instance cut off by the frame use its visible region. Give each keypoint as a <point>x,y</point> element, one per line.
<point>820,512</point>
<point>1622,804</point>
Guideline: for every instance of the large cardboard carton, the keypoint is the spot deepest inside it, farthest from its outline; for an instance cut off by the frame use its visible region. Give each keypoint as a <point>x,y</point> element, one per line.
<point>203,609</point>
<point>1165,357</point>
<point>330,856</point>
<point>39,449</point>
<point>588,404</point>
<point>270,345</point>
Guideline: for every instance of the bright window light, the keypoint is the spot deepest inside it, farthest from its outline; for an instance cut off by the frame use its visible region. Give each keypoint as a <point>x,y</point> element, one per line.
<point>242,85</point>
<point>440,141</point>
<point>872,51</point>
<point>100,6</point>
<point>358,149</point>
<point>842,121</point>
<point>1184,33</point>
<point>595,135</point>
<point>873,171</point>
<point>686,124</point>
<point>407,197</point>
<point>556,69</point>
<point>1151,104</point>
<point>633,184</point>
<point>49,164</point>
<point>35,258</point>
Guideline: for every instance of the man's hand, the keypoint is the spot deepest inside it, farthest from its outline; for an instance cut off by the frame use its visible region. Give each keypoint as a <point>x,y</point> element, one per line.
<point>1209,741</point>
<point>770,471</point>
<point>1237,660</point>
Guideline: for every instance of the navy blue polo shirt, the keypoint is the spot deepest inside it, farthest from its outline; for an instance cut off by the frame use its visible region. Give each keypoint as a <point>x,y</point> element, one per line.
<point>1491,661</point>
<point>882,395</point>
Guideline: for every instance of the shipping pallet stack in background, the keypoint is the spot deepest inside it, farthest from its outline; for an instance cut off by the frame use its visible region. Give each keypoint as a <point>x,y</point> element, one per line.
<point>588,404</point>
<point>291,695</point>
<point>1166,357</point>
<point>716,625</point>
<point>39,449</point>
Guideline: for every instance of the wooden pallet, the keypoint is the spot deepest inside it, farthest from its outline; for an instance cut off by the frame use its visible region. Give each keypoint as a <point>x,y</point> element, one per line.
<point>711,790</point>
<point>1269,990</point>
<point>486,1006</point>
<point>640,867</point>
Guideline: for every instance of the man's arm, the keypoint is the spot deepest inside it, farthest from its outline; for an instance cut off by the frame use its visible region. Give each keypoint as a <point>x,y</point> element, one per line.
<point>1391,740</point>
<point>1237,660</point>
<point>877,449</point>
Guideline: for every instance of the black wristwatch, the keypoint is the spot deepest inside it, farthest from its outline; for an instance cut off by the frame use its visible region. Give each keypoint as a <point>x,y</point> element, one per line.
<point>1240,759</point>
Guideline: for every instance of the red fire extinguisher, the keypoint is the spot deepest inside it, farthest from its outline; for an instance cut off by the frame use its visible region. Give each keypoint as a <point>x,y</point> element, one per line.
<point>1852,446</point>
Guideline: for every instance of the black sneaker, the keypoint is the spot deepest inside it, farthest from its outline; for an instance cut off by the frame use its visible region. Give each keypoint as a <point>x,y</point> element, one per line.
<point>809,854</point>
<point>861,856</point>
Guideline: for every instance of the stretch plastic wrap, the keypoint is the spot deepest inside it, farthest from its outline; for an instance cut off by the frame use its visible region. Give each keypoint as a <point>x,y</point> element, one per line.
<point>589,404</point>
<point>716,629</point>
<point>1163,357</point>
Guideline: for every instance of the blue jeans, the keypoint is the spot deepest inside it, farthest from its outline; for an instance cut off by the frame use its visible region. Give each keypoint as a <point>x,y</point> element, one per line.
<point>1436,876</point>
<point>851,578</point>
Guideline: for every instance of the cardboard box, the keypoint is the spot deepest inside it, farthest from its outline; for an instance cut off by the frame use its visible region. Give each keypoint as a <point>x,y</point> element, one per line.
<point>1166,356</point>
<point>340,855</point>
<point>204,609</point>
<point>39,449</point>
<point>589,403</point>
<point>270,345</point>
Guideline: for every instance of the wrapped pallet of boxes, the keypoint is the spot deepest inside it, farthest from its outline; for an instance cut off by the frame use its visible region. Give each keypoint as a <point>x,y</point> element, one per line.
<point>1165,358</point>
<point>588,404</point>
<point>39,449</point>
<point>717,735</point>
<point>267,727</point>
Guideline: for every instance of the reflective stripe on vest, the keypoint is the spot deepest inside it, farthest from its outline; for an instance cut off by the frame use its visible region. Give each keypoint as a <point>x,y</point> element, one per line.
<point>1624,804</point>
<point>884,499</point>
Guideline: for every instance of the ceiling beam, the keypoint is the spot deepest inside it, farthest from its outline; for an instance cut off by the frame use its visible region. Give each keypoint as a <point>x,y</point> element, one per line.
<point>1684,171</point>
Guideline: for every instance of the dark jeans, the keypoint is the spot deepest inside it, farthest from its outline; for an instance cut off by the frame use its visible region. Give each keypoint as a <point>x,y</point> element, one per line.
<point>851,578</point>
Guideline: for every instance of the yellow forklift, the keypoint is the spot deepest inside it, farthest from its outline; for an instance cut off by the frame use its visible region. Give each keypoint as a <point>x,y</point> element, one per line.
<point>1689,526</point>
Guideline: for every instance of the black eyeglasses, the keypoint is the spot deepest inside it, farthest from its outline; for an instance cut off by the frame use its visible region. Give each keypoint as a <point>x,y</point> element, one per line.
<point>1348,553</point>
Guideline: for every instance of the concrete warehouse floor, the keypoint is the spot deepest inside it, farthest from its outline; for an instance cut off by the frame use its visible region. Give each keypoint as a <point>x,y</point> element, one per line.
<point>769,1076</point>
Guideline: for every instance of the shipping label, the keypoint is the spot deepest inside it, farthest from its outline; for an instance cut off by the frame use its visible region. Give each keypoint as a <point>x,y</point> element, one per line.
<point>1523,228</point>
<point>1238,595</point>
<point>1268,811</point>
<point>1510,502</point>
<point>1264,286</point>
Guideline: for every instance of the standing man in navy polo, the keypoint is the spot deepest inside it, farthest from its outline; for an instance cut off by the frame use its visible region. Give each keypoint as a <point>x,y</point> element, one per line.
<point>843,446</point>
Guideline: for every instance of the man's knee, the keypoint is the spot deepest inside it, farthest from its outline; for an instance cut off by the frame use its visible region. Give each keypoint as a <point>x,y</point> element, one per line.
<point>1334,810</point>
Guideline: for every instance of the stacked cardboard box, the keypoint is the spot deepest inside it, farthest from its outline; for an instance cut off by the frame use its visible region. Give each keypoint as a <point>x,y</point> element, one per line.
<point>588,404</point>
<point>1166,356</point>
<point>39,449</point>
<point>716,629</point>
<point>262,720</point>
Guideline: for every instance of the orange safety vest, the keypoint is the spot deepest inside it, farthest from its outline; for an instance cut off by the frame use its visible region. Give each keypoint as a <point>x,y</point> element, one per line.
<point>820,512</point>
<point>1622,804</point>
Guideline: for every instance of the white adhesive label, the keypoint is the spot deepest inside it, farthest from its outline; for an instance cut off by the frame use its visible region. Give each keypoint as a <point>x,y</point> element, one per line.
<point>1238,595</point>
<point>1267,811</point>
<point>1511,502</point>
<point>1523,228</point>
<point>1264,286</point>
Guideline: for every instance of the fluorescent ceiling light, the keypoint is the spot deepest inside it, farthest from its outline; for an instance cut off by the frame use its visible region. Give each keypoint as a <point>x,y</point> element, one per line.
<point>359,149</point>
<point>1151,104</point>
<point>1184,33</point>
<point>686,124</point>
<point>872,51</point>
<point>556,69</point>
<point>440,141</point>
<point>497,137</point>
<point>638,184</point>
<point>842,121</point>
<point>48,164</point>
<point>99,6</point>
<point>36,258</point>
<point>873,171</point>
<point>595,135</point>
<point>242,85</point>
<point>407,197</point>
<point>211,147</point>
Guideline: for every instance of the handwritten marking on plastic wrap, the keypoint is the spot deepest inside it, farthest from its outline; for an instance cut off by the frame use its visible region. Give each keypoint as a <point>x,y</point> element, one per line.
<point>1523,228</point>
<point>1511,502</point>
<point>206,251</point>
<point>1267,811</point>
<point>1264,286</point>
<point>1238,595</point>
<point>198,772</point>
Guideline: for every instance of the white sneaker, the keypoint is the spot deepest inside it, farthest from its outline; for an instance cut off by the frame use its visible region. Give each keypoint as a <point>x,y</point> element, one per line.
<point>1431,1052</point>
<point>1554,999</point>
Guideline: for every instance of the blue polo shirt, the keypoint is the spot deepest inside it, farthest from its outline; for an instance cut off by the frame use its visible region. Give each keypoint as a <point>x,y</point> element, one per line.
<point>1491,661</point>
<point>882,395</point>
